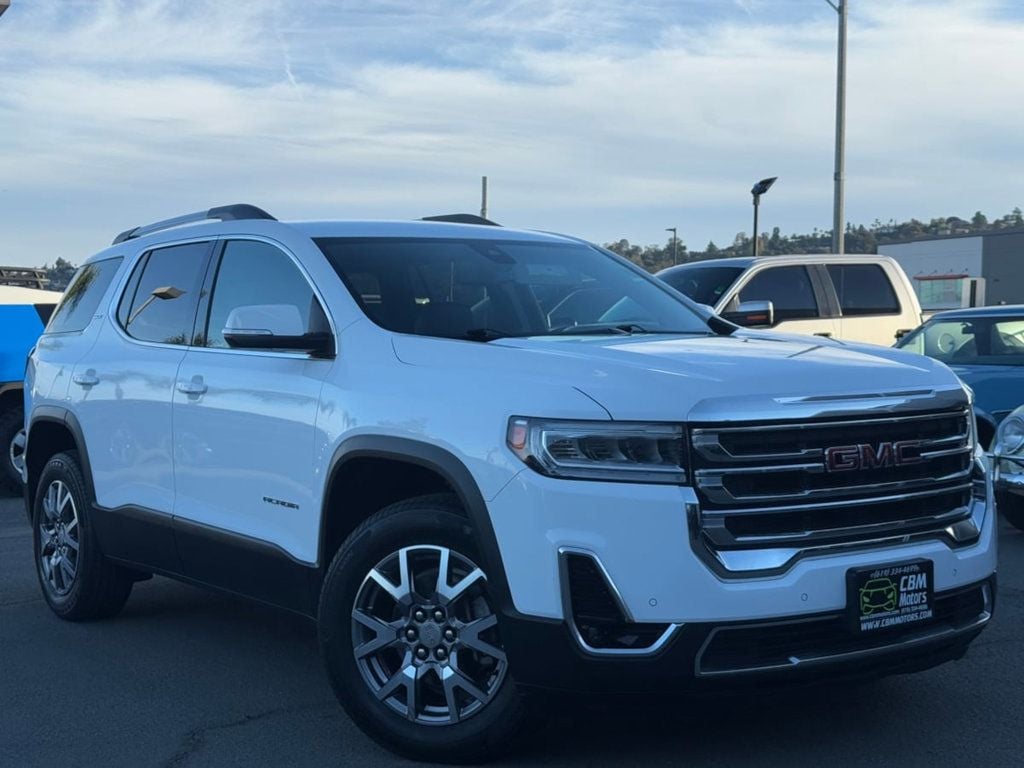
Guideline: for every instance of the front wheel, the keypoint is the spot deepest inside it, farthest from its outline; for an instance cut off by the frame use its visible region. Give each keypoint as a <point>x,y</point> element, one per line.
<point>410,636</point>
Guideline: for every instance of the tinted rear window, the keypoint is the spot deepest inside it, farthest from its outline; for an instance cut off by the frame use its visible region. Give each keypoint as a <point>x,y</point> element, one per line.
<point>164,320</point>
<point>83,295</point>
<point>863,289</point>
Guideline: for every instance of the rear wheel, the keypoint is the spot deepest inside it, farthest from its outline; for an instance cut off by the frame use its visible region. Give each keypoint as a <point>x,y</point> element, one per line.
<point>410,636</point>
<point>12,443</point>
<point>78,582</point>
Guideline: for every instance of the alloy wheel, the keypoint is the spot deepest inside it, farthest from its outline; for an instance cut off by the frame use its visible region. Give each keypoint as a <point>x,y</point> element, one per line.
<point>425,635</point>
<point>59,540</point>
<point>16,451</point>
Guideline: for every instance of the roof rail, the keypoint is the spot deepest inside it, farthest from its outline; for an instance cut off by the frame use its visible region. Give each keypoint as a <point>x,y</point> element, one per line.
<point>462,218</point>
<point>235,212</point>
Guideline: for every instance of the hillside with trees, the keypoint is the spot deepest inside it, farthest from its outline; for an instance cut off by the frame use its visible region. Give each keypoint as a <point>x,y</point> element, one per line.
<point>859,239</point>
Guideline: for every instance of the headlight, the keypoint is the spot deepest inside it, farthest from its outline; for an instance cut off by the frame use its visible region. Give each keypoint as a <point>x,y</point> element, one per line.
<point>1010,435</point>
<point>600,450</point>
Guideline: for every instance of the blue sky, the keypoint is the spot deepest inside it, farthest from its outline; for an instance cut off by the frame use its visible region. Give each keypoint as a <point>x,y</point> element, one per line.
<point>598,118</point>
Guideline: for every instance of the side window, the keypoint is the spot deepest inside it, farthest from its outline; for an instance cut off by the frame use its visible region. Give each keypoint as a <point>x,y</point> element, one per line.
<point>863,289</point>
<point>159,302</point>
<point>788,288</point>
<point>83,295</point>
<point>257,280</point>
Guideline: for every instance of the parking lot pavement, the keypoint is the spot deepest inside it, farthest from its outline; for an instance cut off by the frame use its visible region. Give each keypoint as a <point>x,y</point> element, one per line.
<point>186,678</point>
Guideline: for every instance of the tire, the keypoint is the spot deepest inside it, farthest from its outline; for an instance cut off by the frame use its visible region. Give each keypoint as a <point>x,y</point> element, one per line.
<point>11,424</point>
<point>78,582</point>
<point>1011,507</point>
<point>418,530</point>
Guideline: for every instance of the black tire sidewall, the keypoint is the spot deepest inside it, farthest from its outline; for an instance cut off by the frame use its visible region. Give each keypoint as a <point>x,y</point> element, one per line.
<point>11,422</point>
<point>64,467</point>
<point>401,525</point>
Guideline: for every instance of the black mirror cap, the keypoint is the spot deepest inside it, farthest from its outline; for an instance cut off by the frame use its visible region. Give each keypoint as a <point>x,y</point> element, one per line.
<point>759,314</point>
<point>319,344</point>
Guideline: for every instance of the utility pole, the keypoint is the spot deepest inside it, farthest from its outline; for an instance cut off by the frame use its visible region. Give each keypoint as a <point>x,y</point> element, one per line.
<point>675,244</point>
<point>483,197</point>
<point>838,203</point>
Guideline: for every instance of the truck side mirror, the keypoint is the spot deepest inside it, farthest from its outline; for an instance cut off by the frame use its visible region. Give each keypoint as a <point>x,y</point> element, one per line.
<point>752,314</point>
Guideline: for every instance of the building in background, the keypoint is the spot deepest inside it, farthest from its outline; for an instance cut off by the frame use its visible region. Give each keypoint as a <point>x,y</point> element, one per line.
<point>963,270</point>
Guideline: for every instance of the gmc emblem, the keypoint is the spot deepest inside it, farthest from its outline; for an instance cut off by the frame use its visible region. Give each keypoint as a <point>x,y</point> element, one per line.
<point>847,458</point>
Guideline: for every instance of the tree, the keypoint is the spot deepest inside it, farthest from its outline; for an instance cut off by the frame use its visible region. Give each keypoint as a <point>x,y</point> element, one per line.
<point>979,220</point>
<point>60,274</point>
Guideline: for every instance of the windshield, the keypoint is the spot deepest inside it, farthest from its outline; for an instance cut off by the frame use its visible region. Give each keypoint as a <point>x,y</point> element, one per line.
<point>704,285</point>
<point>974,341</point>
<point>486,289</point>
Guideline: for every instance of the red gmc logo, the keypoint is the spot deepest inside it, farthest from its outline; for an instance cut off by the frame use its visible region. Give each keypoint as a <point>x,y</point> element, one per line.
<point>847,458</point>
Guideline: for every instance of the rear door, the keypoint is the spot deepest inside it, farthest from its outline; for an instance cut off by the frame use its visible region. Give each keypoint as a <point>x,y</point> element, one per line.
<point>795,292</point>
<point>870,310</point>
<point>244,433</point>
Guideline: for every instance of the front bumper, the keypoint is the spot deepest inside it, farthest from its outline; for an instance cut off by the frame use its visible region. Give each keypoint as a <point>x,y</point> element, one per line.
<point>706,657</point>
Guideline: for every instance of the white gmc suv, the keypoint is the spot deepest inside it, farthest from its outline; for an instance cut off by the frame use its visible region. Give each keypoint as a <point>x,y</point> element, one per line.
<point>488,462</point>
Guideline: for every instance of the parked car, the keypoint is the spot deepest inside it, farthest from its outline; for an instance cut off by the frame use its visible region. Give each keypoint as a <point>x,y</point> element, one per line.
<point>1008,460</point>
<point>854,298</point>
<point>23,313</point>
<point>488,461</point>
<point>985,347</point>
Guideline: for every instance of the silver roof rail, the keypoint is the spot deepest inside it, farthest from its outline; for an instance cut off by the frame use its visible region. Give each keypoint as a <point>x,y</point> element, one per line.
<point>235,212</point>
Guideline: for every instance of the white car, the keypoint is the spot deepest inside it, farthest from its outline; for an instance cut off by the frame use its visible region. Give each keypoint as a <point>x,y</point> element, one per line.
<point>855,298</point>
<point>488,462</point>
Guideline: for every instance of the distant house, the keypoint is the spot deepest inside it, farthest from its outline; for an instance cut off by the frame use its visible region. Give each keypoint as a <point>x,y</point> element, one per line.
<point>945,268</point>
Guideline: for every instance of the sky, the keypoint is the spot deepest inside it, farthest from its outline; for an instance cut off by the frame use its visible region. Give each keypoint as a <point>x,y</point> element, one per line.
<point>602,119</point>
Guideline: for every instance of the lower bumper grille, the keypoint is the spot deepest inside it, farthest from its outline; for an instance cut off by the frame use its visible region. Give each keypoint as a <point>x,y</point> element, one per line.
<point>820,639</point>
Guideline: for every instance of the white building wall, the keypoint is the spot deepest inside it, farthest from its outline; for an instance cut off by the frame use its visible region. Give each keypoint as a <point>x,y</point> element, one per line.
<point>955,256</point>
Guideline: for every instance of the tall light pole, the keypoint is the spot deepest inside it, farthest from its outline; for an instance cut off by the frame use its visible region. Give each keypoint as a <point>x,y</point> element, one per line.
<point>675,244</point>
<point>838,203</point>
<point>757,190</point>
<point>483,197</point>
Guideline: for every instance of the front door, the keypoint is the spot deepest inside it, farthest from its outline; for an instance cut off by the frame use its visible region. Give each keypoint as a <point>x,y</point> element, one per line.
<point>795,297</point>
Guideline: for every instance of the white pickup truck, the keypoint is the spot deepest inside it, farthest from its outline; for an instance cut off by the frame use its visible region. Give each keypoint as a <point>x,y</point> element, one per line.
<point>856,298</point>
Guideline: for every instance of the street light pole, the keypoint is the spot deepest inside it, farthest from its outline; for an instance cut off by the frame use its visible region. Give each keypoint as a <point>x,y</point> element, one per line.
<point>483,197</point>
<point>757,190</point>
<point>675,244</point>
<point>838,203</point>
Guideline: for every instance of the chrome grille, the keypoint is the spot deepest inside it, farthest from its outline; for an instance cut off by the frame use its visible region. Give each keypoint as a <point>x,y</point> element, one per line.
<point>772,484</point>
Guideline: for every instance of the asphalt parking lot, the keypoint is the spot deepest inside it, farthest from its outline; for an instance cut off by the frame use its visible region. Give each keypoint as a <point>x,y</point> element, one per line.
<point>187,678</point>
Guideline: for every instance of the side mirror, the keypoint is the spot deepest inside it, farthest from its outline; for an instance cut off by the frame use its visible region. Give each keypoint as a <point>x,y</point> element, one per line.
<point>274,326</point>
<point>752,314</point>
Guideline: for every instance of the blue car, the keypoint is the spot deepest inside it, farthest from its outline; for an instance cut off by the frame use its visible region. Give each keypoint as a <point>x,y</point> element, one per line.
<point>985,347</point>
<point>23,314</point>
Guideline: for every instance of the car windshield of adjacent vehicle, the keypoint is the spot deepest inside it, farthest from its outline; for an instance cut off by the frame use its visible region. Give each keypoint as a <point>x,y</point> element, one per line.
<point>705,285</point>
<point>973,341</point>
<point>489,289</point>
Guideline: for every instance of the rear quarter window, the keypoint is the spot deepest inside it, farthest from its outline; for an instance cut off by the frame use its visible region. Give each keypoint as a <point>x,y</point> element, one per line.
<point>82,297</point>
<point>863,289</point>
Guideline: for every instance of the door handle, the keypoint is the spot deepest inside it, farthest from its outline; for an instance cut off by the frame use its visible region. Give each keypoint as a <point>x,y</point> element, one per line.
<point>86,379</point>
<point>193,388</point>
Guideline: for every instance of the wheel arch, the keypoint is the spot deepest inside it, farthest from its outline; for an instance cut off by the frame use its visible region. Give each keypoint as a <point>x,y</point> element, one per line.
<point>425,460</point>
<point>986,426</point>
<point>51,430</point>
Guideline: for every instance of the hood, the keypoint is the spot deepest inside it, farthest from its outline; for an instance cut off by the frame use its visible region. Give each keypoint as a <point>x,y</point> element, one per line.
<point>671,377</point>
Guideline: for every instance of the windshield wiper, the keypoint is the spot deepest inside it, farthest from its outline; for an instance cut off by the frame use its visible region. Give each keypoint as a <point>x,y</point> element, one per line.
<point>487,334</point>
<point>624,329</point>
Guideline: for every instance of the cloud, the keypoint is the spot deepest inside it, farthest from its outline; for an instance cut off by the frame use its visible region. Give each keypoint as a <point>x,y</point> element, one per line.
<point>603,119</point>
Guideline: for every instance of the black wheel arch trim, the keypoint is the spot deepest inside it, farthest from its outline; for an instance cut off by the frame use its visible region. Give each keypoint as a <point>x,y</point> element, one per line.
<point>57,415</point>
<point>449,467</point>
